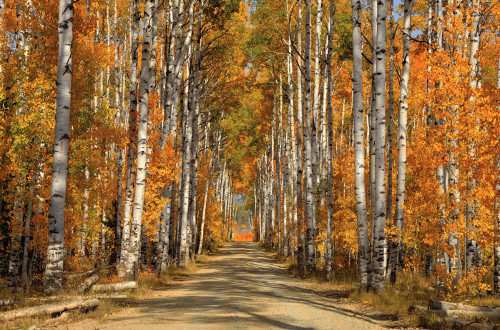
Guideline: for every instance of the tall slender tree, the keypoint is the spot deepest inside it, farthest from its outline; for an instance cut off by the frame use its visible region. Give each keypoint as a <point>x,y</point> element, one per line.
<point>402,134</point>
<point>55,248</point>
<point>131,263</point>
<point>359,155</point>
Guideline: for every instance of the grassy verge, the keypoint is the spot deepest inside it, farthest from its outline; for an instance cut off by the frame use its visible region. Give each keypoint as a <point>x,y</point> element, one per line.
<point>409,290</point>
<point>148,282</point>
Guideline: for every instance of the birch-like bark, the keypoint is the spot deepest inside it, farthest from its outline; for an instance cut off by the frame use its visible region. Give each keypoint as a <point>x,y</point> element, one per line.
<point>103,234</point>
<point>309,174</point>
<point>429,259</point>
<point>196,105</point>
<point>359,156</point>
<point>293,150</point>
<point>292,154</point>
<point>472,251</point>
<point>187,116</point>
<point>378,269</point>
<point>330,142</point>
<point>402,133</point>
<point>371,123</point>
<point>300,124</point>
<point>152,88</point>
<point>316,103</point>
<point>454,261</point>
<point>272,176</point>
<point>183,244</point>
<point>131,263</point>
<point>389,127</point>
<point>166,225</point>
<point>279,163</point>
<point>119,151</point>
<point>129,186</point>
<point>204,211</point>
<point>55,247</point>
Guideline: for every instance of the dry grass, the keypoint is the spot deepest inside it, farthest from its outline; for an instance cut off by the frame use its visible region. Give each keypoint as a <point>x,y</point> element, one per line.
<point>410,289</point>
<point>148,281</point>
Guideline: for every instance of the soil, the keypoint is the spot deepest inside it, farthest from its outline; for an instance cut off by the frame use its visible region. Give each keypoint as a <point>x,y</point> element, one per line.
<point>241,287</point>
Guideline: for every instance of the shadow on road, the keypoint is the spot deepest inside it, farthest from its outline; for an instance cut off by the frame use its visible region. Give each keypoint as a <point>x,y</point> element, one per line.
<point>242,287</point>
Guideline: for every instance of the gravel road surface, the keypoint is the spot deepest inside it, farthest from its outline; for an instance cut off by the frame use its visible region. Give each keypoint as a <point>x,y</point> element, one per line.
<point>241,287</point>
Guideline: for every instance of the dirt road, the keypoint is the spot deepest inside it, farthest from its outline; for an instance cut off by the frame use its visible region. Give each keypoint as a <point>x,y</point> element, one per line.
<point>240,288</point>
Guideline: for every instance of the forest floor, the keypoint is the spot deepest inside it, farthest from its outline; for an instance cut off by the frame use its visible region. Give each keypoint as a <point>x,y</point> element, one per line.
<point>241,287</point>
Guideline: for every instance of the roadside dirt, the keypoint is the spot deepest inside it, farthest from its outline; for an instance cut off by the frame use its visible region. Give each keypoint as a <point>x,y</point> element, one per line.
<point>240,288</point>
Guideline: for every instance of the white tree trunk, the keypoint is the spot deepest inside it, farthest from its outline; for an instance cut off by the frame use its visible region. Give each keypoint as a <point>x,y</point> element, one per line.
<point>308,132</point>
<point>300,124</point>
<point>359,156</point>
<point>293,150</point>
<point>472,251</point>
<point>330,142</point>
<point>55,247</point>
<point>119,151</point>
<point>129,188</point>
<point>402,133</point>
<point>131,263</point>
<point>183,244</point>
<point>316,102</point>
<point>390,112</point>
<point>378,269</point>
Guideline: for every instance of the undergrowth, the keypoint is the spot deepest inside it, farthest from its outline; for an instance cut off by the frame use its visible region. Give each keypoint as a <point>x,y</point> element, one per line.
<point>148,281</point>
<point>410,289</point>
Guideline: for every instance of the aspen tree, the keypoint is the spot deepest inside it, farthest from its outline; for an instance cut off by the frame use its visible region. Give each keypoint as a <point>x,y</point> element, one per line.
<point>299,141</point>
<point>130,183</point>
<point>372,125</point>
<point>119,151</point>
<point>378,269</point>
<point>292,152</point>
<point>390,111</point>
<point>330,141</point>
<point>472,251</point>
<point>168,126</point>
<point>279,162</point>
<point>309,174</point>
<point>184,243</point>
<point>272,173</point>
<point>316,103</point>
<point>205,199</point>
<point>187,118</point>
<point>55,247</point>
<point>291,126</point>
<point>359,157</point>
<point>131,263</point>
<point>402,133</point>
<point>195,107</point>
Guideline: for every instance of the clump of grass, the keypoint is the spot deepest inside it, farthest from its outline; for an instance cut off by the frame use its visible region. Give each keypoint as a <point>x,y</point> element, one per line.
<point>410,289</point>
<point>150,280</point>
